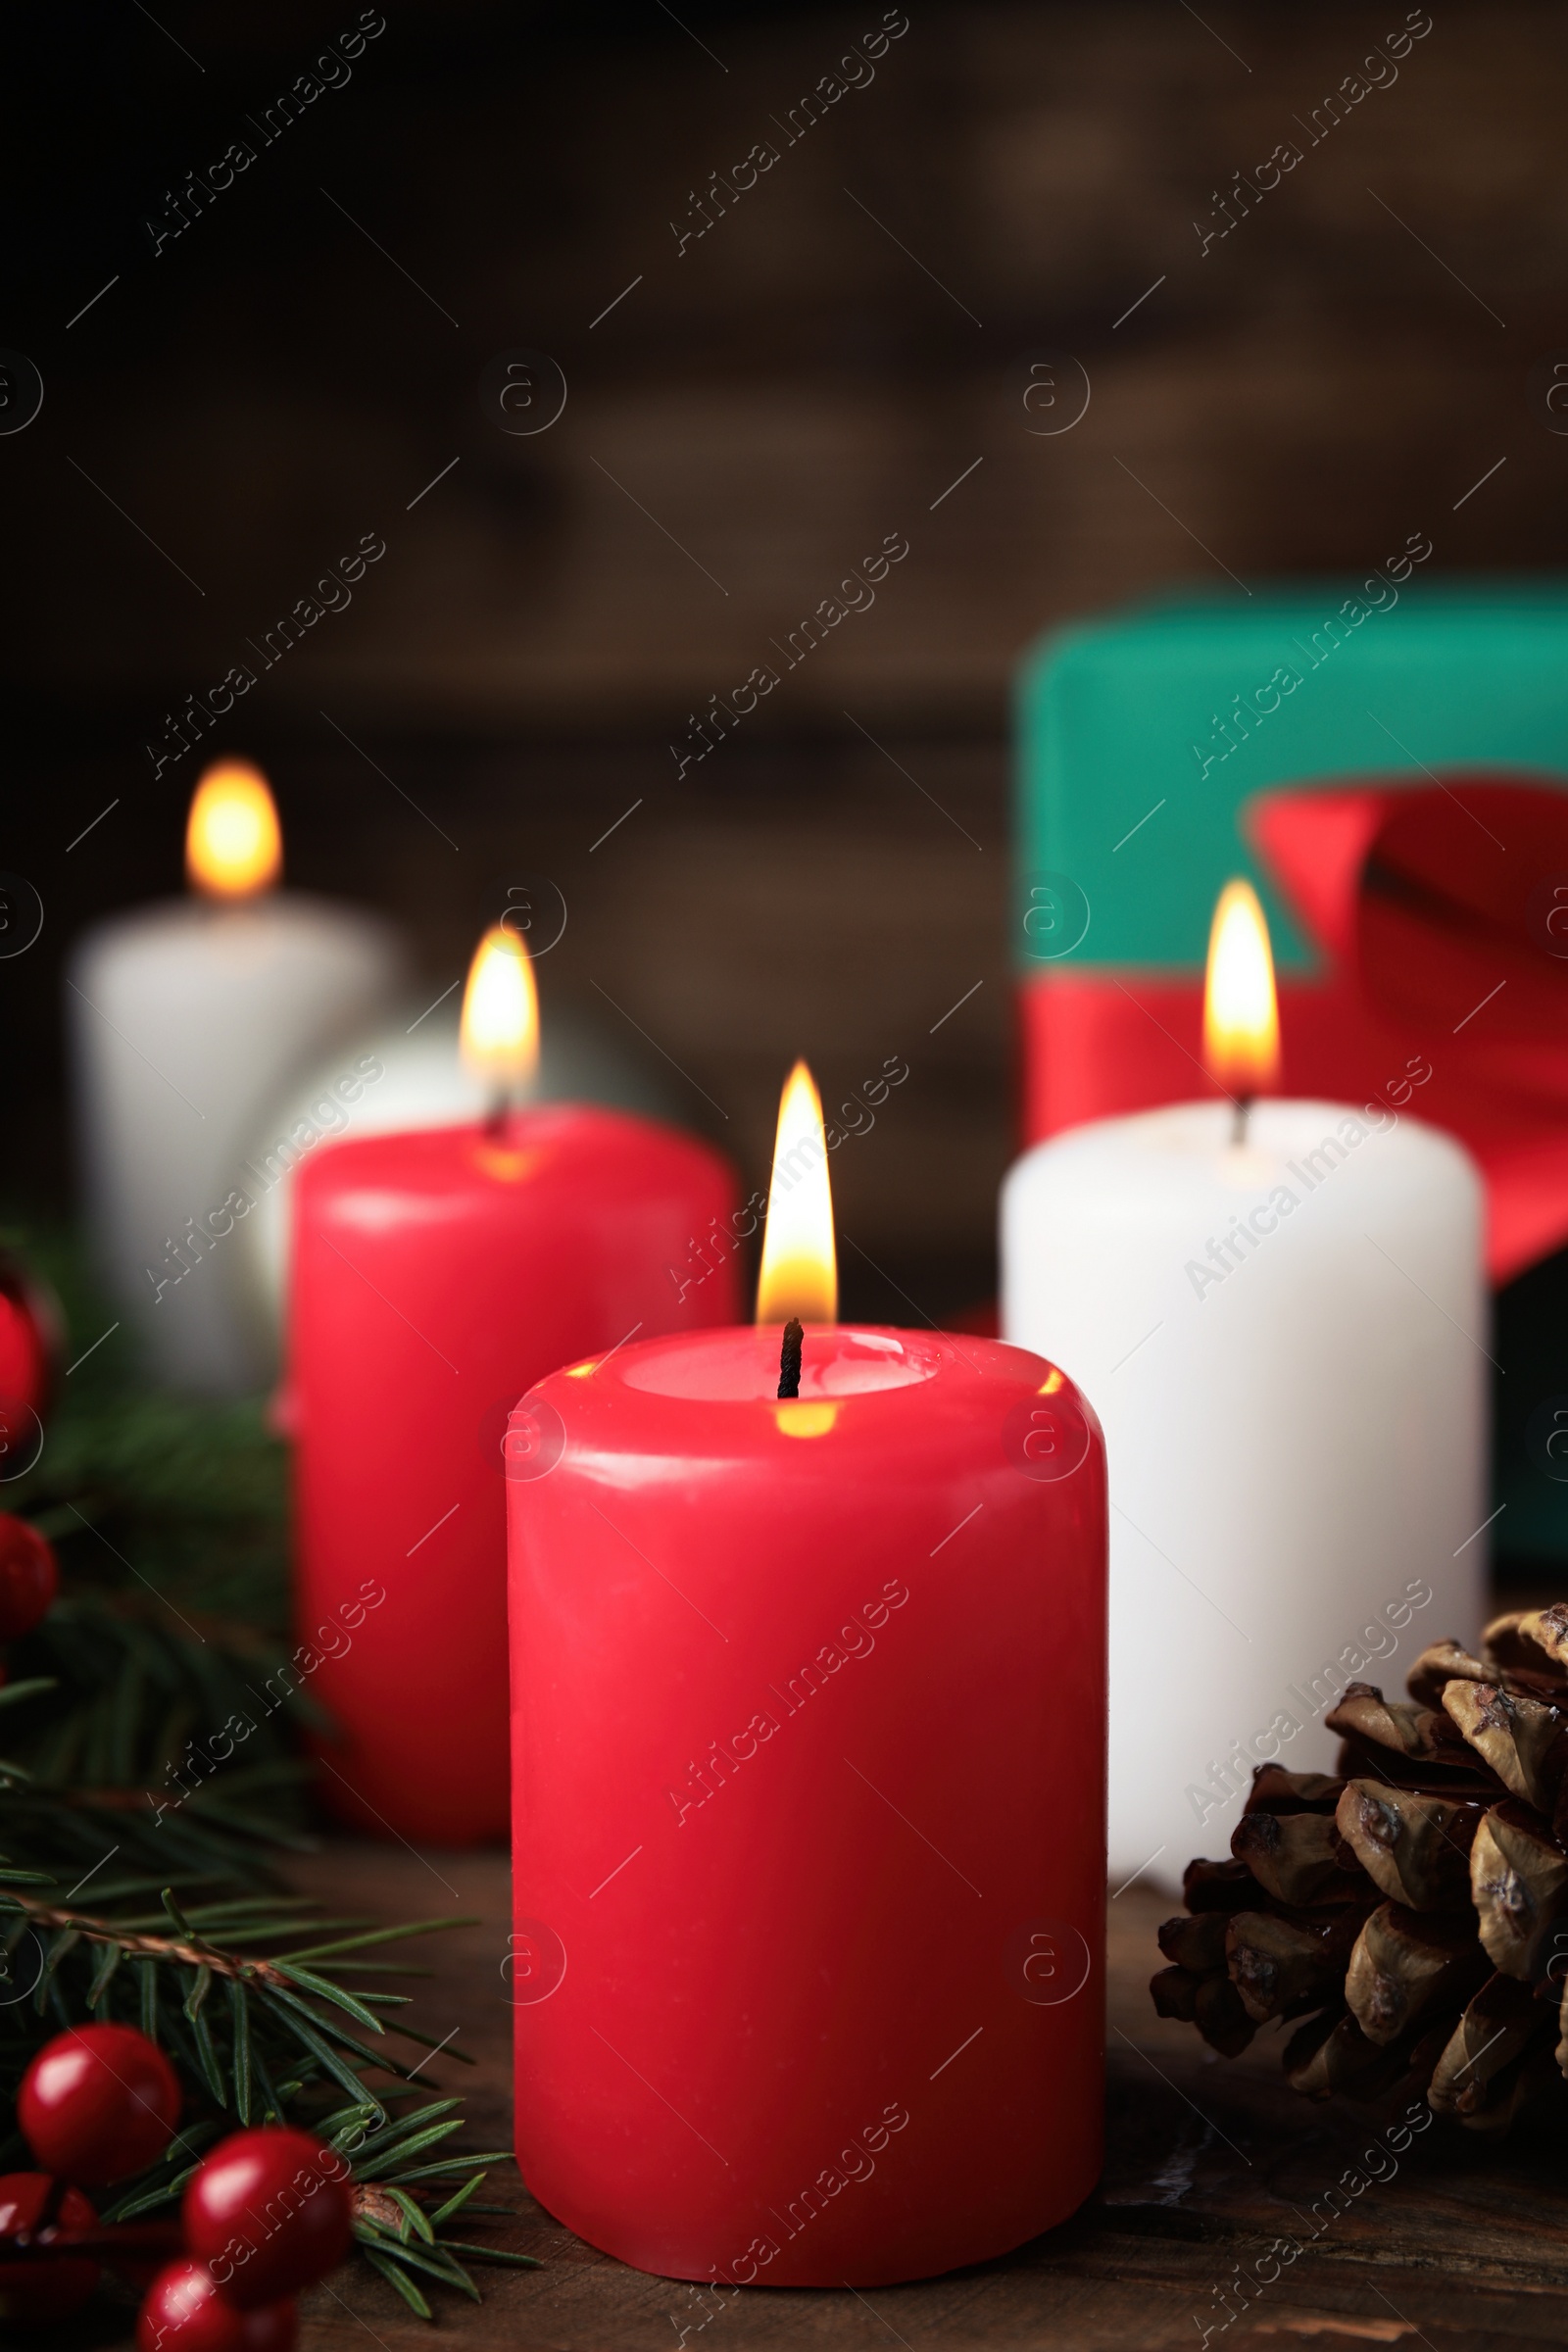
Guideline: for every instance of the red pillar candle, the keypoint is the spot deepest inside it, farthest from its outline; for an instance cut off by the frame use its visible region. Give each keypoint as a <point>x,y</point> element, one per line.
<point>434,1276</point>
<point>809,1722</point>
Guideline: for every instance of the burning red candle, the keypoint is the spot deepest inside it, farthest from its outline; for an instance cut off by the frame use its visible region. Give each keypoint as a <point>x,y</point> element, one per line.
<point>809,1724</point>
<point>433,1277</point>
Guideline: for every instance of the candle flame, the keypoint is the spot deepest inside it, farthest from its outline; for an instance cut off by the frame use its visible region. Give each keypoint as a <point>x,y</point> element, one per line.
<point>234,845</point>
<point>500,1031</point>
<point>800,1270</point>
<point>1240,1015</point>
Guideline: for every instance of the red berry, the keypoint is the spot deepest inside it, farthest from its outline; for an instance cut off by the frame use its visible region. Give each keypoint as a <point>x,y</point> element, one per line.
<point>31,1335</point>
<point>28,1576</point>
<point>184,2313</point>
<point>33,2292</point>
<point>269,2212</point>
<point>98,2103</point>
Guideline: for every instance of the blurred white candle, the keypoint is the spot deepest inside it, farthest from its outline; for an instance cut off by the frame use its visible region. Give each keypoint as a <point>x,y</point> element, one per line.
<point>1285,1339</point>
<point>188,1019</point>
<point>416,1078</point>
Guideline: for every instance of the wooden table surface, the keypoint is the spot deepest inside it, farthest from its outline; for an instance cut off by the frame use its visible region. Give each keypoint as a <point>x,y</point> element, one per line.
<point>1460,2247</point>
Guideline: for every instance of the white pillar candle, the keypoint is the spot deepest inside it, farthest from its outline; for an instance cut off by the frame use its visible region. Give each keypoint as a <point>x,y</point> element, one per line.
<point>187,1020</point>
<point>1285,1341</point>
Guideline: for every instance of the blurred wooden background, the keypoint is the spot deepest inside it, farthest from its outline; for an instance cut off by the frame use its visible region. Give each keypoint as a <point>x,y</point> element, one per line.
<point>844,355</point>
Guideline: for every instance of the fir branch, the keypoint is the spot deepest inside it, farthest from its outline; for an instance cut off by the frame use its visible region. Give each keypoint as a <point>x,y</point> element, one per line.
<point>151,1736</point>
<point>134,1945</point>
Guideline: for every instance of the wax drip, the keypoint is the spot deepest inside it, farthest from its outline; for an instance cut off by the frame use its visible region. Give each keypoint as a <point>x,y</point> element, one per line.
<point>789,1360</point>
<point>1243,1112</point>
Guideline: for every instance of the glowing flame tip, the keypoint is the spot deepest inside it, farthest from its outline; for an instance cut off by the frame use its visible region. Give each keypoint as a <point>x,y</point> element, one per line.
<point>499,1029</point>
<point>800,1268</point>
<point>233,843</point>
<point>1240,1013</point>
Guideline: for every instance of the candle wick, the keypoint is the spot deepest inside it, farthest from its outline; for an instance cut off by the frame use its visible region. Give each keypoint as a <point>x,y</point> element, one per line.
<point>1244,1111</point>
<point>789,1360</point>
<point>495,1124</point>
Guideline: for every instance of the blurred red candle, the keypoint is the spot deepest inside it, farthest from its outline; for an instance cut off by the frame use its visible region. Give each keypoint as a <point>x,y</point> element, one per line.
<point>808,1723</point>
<point>434,1276</point>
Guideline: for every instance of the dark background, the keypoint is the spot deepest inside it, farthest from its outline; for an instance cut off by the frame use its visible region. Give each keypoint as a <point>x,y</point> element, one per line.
<point>745,423</point>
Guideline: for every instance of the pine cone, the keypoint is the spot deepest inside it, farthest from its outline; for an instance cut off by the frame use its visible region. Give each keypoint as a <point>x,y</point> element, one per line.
<point>1413,1907</point>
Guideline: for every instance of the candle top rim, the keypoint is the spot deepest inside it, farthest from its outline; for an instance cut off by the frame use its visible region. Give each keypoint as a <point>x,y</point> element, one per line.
<point>1199,1128</point>
<point>172,922</point>
<point>738,1365</point>
<point>288,898</point>
<point>951,1401</point>
<point>417,1158</point>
